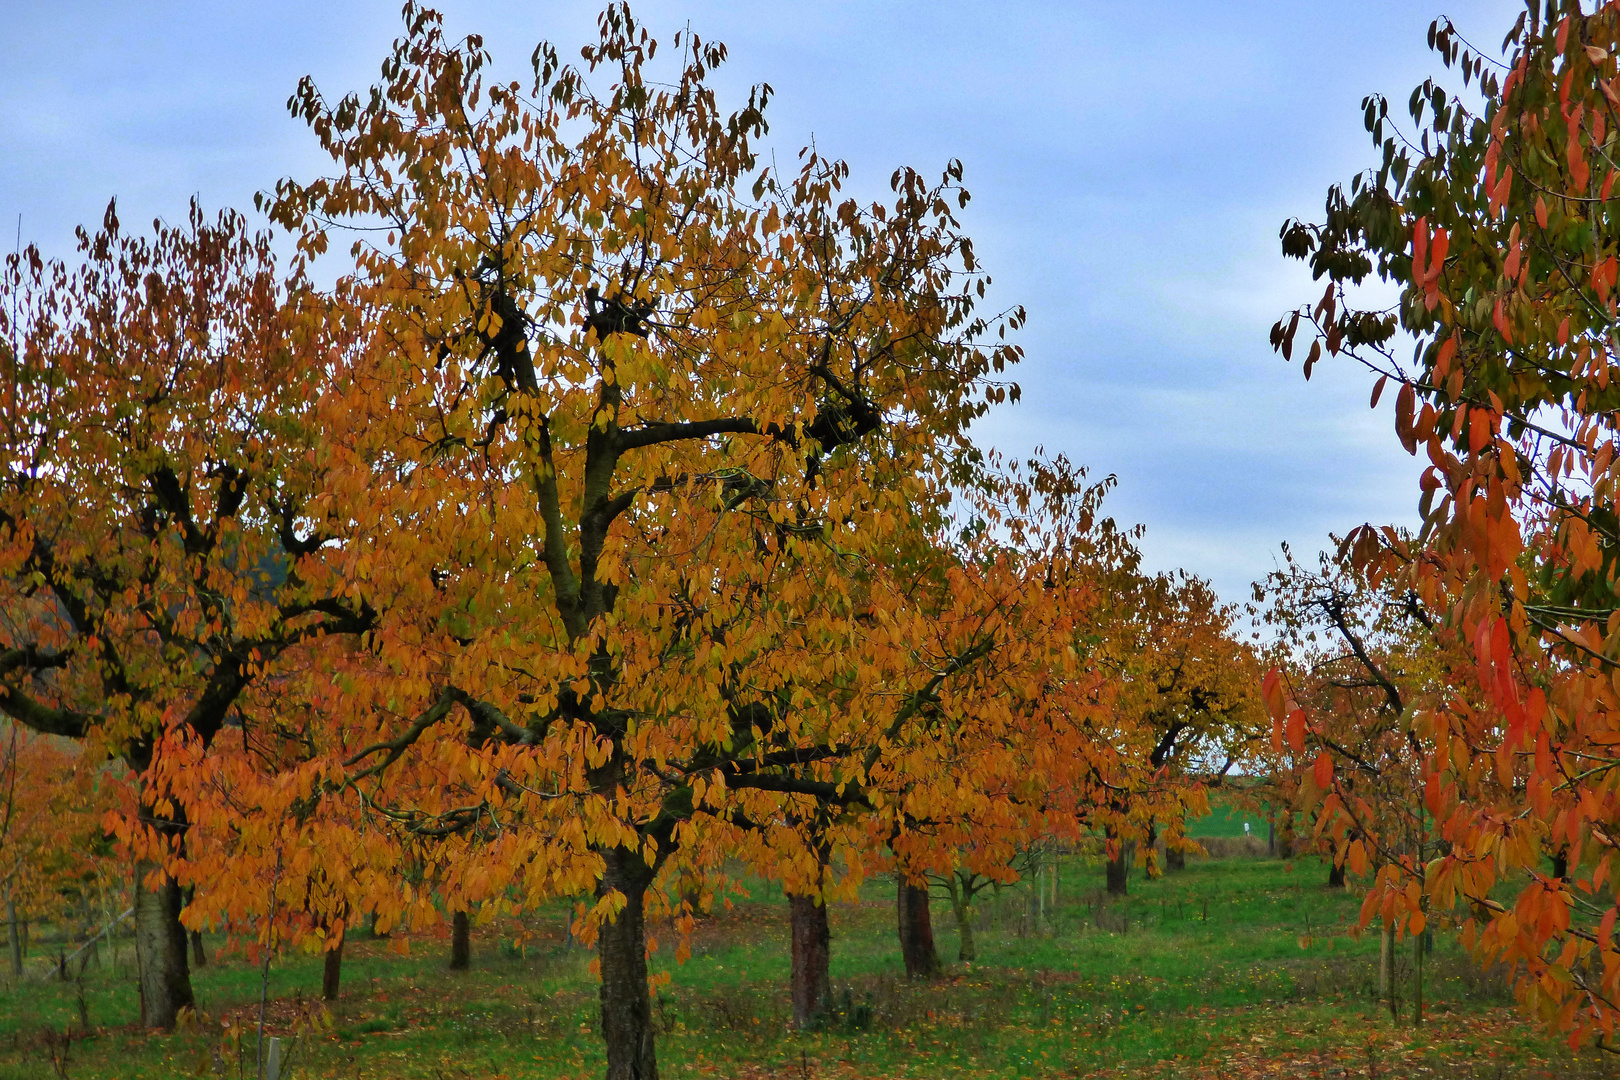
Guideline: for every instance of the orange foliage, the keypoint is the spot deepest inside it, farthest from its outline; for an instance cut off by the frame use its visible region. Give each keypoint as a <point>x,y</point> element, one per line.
<point>52,798</point>
<point>1496,224</point>
<point>616,513</point>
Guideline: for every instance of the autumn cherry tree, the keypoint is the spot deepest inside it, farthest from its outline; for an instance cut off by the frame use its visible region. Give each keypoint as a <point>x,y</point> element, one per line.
<point>636,411</point>
<point>1186,712</point>
<point>1495,217</point>
<point>616,513</point>
<point>1359,661</point>
<point>154,553</point>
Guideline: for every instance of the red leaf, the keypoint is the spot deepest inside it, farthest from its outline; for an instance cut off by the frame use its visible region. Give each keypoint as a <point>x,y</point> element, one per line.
<point>1296,729</point>
<point>1378,389</point>
<point>1405,401</point>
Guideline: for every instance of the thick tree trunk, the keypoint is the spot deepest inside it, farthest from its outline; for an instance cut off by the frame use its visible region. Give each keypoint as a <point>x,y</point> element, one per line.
<point>13,935</point>
<point>1335,875</point>
<point>160,950</point>
<point>812,959</point>
<point>460,942</point>
<point>1119,871</point>
<point>622,953</point>
<point>1119,865</point>
<point>332,969</point>
<point>916,931</point>
<point>1175,860</point>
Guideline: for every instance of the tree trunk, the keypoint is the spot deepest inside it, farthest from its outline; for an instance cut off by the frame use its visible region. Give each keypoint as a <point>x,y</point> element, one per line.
<point>332,969</point>
<point>1417,979</point>
<point>1386,964</point>
<point>1335,875</point>
<point>199,957</point>
<point>1175,860</point>
<point>14,935</point>
<point>460,942</point>
<point>622,954</point>
<point>160,950</point>
<point>812,960</point>
<point>967,949</point>
<point>916,931</point>
<point>1119,871</point>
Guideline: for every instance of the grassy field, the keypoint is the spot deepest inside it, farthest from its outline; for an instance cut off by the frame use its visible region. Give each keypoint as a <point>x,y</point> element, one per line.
<point>1227,821</point>
<point>1230,968</point>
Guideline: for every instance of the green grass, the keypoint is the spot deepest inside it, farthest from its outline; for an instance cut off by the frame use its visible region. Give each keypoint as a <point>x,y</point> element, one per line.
<point>1224,820</point>
<point>1240,967</point>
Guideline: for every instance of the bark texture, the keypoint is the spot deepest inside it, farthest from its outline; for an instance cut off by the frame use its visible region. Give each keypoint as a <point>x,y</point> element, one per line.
<point>812,960</point>
<point>160,950</point>
<point>460,942</point>
<point>917,932</point>
<point>332,970</point>
<point>622,951</point>
<point>1119,873</point>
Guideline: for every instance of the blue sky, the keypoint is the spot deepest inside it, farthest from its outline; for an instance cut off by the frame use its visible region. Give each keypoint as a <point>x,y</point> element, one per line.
<point>1130,166</point>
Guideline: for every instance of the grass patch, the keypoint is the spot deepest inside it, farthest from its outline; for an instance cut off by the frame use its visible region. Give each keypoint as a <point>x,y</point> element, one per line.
<point>1225,820</point>
<point>1237,967</point>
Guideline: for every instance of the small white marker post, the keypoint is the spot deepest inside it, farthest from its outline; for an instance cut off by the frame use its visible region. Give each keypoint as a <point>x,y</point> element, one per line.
<point>272,1060</point>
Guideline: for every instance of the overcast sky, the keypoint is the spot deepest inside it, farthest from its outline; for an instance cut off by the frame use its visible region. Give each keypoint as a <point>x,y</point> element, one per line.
<point>1130,166</point>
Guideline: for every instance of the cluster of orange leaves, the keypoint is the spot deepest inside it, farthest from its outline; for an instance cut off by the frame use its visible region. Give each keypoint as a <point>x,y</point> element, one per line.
<point>1499,225</point>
